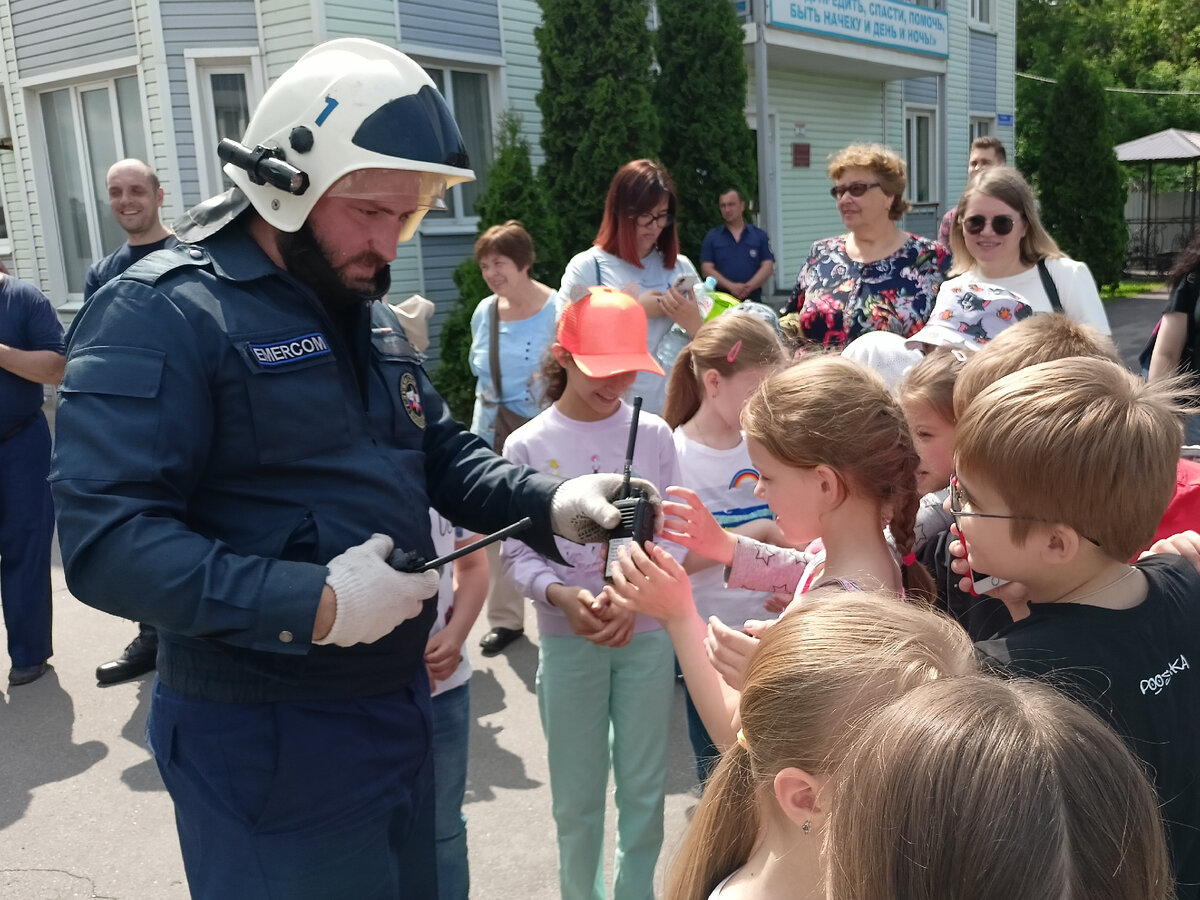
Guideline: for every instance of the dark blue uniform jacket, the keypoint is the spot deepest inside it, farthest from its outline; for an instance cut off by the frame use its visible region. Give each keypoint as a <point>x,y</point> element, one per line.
<point>219,441</point>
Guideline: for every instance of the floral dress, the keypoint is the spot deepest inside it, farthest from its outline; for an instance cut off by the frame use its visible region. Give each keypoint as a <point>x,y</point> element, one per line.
<point>838,298</point>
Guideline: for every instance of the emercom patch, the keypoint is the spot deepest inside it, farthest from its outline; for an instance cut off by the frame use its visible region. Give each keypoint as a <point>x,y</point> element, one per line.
<point>289,350</point>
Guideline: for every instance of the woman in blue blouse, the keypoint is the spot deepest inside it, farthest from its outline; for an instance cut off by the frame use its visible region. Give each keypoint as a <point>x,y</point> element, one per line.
<point>526,312</point>
<point>876,277</point>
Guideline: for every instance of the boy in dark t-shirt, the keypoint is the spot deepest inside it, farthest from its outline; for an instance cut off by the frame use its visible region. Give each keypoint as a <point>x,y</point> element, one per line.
<point>1063,470</point>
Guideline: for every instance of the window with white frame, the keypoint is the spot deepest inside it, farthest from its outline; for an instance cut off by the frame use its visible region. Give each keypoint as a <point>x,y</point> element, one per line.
<point>982,126</point>
<point>919,144</point>
<point>88,127</point>
<point>468,93</point>
<point>224,89</point>
<point>981,13</point>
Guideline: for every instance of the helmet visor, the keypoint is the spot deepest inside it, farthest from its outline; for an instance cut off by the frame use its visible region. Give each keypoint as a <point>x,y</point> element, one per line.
<point>417,127</point>
<point>402,190</point>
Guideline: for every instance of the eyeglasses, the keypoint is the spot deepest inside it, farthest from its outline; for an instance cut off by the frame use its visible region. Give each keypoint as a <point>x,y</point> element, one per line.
<point>1000,224</point>
<point>857,189</point>
<point>959,499</point>
<point>645,220</point>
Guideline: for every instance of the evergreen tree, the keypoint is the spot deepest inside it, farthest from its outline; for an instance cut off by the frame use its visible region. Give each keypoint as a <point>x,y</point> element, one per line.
<point>700,95</point>
<point>512,193</point>
<point>596,105</point>
<point>1079,179</point>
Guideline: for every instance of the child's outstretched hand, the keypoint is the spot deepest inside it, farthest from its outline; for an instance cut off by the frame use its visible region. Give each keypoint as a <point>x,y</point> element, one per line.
<point>730,649</point>
<point>691,525</point>
<point>655,585</point>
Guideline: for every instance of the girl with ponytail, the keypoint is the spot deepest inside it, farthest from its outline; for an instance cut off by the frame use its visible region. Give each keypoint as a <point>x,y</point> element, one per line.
<point>814,682</point>
<point>707,389</point>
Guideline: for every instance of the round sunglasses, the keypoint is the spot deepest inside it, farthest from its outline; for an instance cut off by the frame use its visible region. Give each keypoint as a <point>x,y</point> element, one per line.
<point>1001,225</point>
<point>857,189</point>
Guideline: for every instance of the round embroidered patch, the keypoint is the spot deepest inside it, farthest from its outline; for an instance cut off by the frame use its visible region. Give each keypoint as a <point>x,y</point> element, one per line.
<point>412,399</point>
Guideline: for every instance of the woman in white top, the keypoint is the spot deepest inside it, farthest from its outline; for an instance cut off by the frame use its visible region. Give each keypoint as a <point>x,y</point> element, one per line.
<point>637,251</point>
<point>999,239</point>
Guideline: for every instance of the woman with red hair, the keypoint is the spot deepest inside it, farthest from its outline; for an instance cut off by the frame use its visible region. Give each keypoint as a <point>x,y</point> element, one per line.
<point>637,252</point>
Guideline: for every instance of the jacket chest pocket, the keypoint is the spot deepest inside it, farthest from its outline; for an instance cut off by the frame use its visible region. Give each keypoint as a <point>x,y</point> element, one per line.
<point>294,389</point>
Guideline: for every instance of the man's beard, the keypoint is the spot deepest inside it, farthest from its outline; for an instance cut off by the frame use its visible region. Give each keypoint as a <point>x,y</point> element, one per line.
<point>306,260</point>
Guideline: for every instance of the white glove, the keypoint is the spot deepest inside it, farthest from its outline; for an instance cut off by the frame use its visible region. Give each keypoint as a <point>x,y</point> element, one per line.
<point>372,597</point>
<point>581,509</point>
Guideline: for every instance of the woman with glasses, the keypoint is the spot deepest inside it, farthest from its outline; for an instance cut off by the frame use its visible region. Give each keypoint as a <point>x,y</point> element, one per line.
<point>999,239</point>
<point>876,277</point>
<point>637,252</point>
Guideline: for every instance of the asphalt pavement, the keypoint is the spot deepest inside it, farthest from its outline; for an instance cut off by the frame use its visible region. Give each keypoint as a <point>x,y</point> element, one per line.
<point>83,813</point>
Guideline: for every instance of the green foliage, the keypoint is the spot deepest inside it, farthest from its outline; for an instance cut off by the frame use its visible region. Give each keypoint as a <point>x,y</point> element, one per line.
<point>700,95</point>
<point>596,105</point>
<point>1142,44</point>
<point>512,193</point>
<point>1080,183</point>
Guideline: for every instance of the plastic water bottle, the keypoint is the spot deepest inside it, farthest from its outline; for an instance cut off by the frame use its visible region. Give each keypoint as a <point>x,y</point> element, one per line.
<point>676,338</point>
<point>703,294</point>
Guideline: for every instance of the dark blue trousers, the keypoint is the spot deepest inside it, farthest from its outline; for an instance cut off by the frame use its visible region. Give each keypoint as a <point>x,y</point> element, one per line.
<point>26,533</point>
<point>300,800</point>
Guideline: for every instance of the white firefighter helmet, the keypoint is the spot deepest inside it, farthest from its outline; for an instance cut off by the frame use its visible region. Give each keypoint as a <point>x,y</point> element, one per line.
<point>349,105</point>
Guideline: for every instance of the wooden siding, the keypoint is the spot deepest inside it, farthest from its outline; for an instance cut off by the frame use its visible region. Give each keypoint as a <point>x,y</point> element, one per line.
<point>441,254</point>
<point>464,26</point>
<point>921,91</point>
<point>374,19</point>
<point>187,25</point>
<point>836,111</point>
<point>288,32</point>
<point>523,70</point>
<point>982,93</point>
<point>21,210</point>
<point>60,34</point>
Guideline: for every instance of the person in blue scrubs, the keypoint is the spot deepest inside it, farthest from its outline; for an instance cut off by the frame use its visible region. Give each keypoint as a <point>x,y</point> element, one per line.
<point>31,355</point>
<point>244,437</point>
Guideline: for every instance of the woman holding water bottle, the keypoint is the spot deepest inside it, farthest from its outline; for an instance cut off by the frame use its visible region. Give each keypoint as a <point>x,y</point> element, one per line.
<point>637,251</point>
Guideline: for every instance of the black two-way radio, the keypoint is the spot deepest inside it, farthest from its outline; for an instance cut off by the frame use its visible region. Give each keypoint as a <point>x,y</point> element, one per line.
<point>637,512</point>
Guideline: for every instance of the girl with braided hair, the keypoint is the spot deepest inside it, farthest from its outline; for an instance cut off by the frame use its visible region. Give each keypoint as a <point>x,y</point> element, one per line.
<point>836,464</point>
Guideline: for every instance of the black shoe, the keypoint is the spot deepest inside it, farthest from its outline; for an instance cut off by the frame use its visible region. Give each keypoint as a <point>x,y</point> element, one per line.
<point>498,638</point>
<point>138,659</point>
<point>25,674</point>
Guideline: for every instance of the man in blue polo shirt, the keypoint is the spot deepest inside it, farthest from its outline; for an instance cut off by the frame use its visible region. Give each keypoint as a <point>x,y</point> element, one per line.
<point>737,253</point>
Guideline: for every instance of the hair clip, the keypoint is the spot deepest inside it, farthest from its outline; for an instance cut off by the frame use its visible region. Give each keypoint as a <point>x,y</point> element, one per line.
<point>732,356</point>
<point>909,559</point>
<point>959,355</point>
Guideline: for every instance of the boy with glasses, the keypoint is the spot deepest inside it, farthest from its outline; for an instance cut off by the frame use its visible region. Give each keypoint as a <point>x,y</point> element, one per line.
<point>1064,469</point>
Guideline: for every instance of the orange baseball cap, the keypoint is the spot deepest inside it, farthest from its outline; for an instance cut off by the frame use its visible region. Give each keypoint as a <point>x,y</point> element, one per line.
<point>605,333</point>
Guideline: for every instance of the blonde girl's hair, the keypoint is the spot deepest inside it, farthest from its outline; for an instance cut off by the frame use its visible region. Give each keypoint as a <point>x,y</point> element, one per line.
<point>931,381</point>
<point>1007,185</point>
<point>827,410</point>
<point>1000,789</point>
<point>730,343</point>
<point>817,677</point>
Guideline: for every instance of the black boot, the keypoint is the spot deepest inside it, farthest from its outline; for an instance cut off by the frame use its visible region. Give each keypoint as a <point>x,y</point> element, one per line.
<point>138,658</point>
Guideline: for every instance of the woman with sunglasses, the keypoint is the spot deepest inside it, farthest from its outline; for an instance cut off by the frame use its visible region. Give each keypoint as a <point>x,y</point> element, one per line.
<point>637,252</point>
<point>876,277</point>
<point>999,239</point>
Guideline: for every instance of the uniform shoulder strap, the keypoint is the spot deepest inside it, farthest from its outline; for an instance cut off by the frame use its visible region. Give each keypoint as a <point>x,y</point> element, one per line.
<point>152,268</point>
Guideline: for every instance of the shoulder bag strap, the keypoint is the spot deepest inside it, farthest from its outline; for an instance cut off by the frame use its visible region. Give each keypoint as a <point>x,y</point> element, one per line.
<point>1049,286</point>
<point>599,280</point>
<point>494,349</point>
